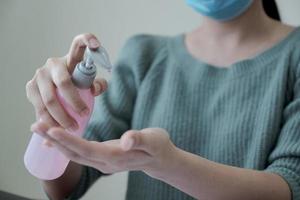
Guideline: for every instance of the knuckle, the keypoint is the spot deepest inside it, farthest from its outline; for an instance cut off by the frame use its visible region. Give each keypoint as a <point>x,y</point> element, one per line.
<point>39,71</point>
<point>50,61</point>
<point>41,111</point>
<point>50,100</point>
<point>64,82</point>
<point>46,118</point>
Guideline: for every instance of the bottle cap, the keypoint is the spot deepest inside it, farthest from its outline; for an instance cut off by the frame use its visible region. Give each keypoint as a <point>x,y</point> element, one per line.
<point>84,74</point>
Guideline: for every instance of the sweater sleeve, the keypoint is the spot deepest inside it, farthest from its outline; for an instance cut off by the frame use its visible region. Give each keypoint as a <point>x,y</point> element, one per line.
<point>113,109</point>
<point>285,158</point>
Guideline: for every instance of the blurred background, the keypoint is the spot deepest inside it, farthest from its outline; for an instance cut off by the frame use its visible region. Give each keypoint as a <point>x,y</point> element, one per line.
<point>33,30</point>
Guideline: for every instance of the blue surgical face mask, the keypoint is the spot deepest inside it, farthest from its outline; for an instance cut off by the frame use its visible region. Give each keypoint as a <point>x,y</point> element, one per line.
<point>221,10</point>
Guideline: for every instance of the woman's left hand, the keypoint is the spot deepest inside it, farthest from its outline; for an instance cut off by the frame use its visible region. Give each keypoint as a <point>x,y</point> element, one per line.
<point>149,150</point>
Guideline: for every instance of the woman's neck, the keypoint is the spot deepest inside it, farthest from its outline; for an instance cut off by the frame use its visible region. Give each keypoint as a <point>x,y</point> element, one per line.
<point>244,37</point>
<point>250,24</point>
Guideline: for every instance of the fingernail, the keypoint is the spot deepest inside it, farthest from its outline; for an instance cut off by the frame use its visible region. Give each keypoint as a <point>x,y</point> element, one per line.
<point>104,85</point>
<point>98,87</point>
<point>84,112</point>
<point>94,43</point>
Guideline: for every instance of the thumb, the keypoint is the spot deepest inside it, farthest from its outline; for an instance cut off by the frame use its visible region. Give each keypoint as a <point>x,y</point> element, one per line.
<point>149,140</point>
<point>99,86</point>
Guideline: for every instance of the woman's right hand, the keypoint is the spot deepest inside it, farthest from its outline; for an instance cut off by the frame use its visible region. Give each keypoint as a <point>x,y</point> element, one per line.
<point>56,73</point>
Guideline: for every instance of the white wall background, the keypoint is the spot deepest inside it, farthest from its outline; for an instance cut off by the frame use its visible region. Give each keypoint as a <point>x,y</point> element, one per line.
<point>33,30</point>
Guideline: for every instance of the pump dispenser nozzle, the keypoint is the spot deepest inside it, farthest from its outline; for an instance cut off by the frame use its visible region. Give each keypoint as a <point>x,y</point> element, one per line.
<point>100,57</point>
<point>85,71</point>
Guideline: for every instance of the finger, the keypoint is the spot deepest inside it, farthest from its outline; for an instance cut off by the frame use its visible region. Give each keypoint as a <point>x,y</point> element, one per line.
<point>47,118</point>
<point>47,143</point>
<point>78,46</point>
<point>75,144</point>
<point>48,94</point>
<point>99,86</point>
<point>82,151</point>
<point>41,128</point>
<point>76,157</point>
<point>63,82</point>
<point>33,95</point>
<point>91,150</point>
<point>112,153</point>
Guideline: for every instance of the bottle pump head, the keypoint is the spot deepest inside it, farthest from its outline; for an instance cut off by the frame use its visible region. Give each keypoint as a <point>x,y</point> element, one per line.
<point>85,71</point>
<point>100,57</point>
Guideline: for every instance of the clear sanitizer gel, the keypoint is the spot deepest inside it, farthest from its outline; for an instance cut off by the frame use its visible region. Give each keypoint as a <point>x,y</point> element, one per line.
<point>48,163</point>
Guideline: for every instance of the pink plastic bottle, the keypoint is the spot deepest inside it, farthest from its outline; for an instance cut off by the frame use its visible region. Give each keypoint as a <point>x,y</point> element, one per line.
<point>48,163</point>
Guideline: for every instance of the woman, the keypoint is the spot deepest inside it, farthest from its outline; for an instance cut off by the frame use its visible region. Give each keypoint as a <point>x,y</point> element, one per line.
<point>225,98</point>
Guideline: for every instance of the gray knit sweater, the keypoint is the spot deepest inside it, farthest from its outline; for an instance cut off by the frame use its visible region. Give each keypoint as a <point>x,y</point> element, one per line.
<point>247,115</point>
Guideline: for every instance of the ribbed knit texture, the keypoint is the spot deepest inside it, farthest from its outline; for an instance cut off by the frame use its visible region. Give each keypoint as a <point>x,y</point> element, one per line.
<point>246,115</point>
